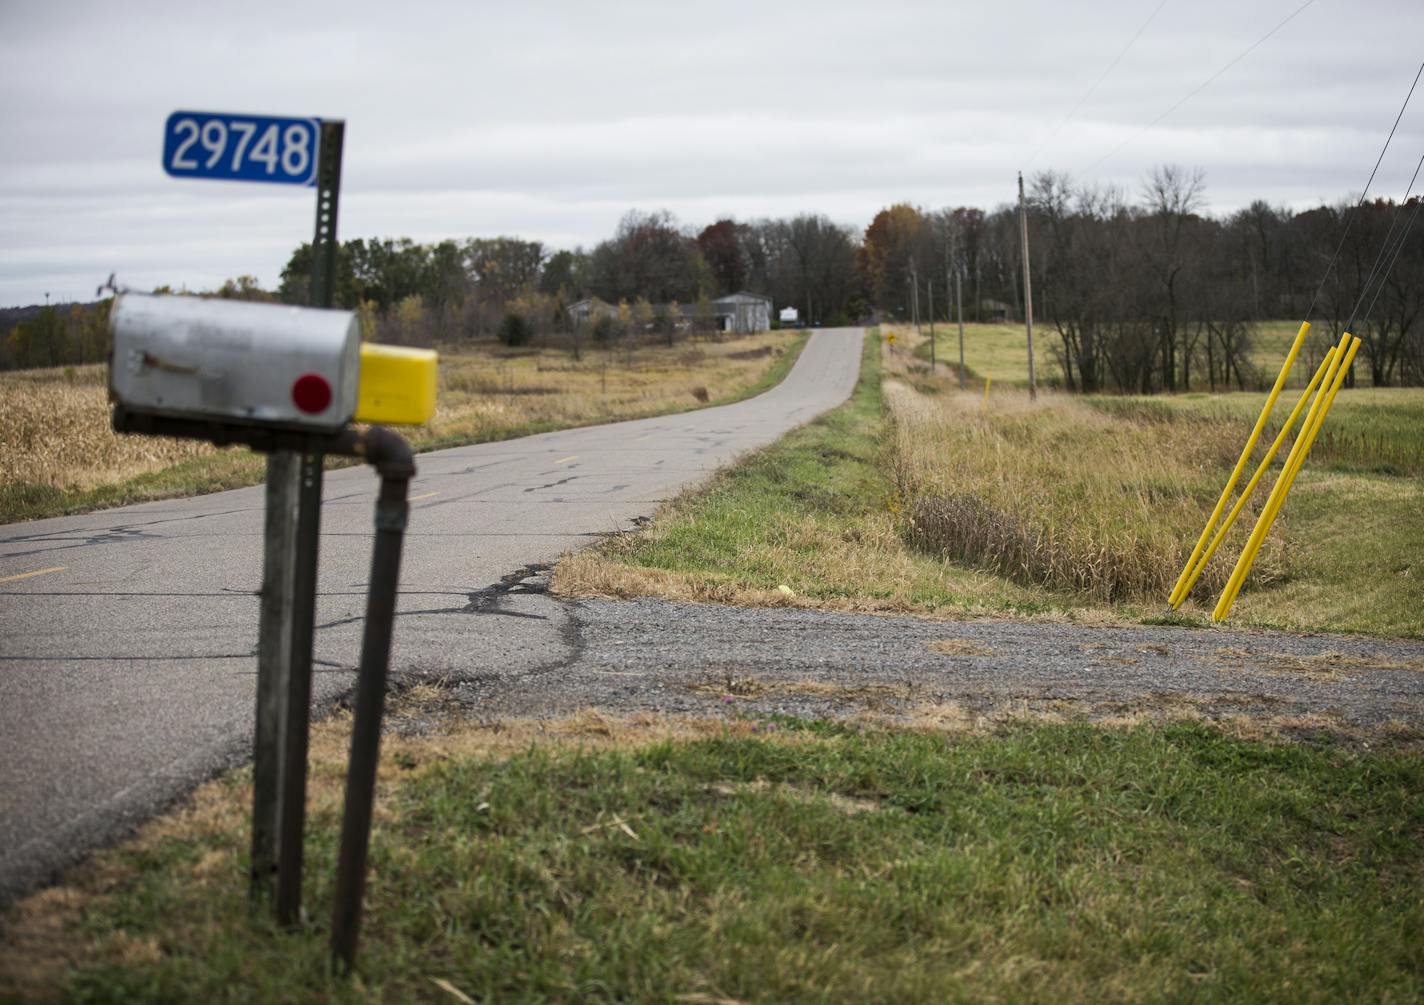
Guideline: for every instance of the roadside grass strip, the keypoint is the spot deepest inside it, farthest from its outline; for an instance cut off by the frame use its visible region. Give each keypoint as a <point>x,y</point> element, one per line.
<point>813,520</point>
<point>916,498</point>
<point>783,861</point>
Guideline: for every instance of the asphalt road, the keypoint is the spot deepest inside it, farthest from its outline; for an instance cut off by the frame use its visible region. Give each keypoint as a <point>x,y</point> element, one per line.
<point>127,637</point>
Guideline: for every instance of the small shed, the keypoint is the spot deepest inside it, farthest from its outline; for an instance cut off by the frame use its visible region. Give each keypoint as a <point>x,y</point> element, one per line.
<point>994,310</point>
<point>743,313</point>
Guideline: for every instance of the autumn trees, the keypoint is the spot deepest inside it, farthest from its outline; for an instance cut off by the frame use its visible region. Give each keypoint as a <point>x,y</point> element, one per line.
<point>1152,294</point>
<point>807,262</point>
<point>1144,290</point>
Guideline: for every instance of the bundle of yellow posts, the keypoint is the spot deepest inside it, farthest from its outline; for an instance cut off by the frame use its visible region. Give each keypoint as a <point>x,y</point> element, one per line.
<point>1320,392</point>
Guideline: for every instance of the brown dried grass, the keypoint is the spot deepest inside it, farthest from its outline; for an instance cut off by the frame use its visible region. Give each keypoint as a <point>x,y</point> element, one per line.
<point>54,430</point>
<point>1054,494</point>
<point>489,393</point>
<point>54,424</point>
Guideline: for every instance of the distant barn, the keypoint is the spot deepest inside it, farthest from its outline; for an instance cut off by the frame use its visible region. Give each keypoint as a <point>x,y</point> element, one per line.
<point>743,313</point>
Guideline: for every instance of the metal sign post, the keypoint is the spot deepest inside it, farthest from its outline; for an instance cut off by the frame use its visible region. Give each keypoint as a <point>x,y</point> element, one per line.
<point>302,610</point>
<point>285,151</point>
<point>303,152</point>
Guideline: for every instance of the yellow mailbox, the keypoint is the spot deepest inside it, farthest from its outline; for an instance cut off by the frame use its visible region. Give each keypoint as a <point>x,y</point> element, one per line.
<point>397,385</point>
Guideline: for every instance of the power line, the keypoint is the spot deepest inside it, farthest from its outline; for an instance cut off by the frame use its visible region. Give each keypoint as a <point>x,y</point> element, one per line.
<point>1350,220</point>
<point>1091,90</point>
<point>1199,88</point>
<point>1397,249</point>
<point>1384,249</point>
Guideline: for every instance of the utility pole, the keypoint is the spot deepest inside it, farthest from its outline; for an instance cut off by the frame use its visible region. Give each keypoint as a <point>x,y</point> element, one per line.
<point>959,313</point>
<point>929,289</point>
<point>1028,291</point>
<point>915,296</point>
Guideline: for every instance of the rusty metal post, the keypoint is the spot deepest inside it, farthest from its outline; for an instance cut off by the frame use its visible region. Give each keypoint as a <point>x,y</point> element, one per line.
<point>392,458</point>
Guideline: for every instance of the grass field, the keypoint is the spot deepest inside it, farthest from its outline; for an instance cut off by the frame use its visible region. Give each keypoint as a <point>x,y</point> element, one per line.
<point>1065,508</point>
<point>1273,341</point>
<point>1371,429</point>
<point>782,861</point>
<point>998,352</point>
<point>58,454</point>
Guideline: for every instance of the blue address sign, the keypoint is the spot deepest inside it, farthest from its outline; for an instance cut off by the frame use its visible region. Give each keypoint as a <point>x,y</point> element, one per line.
<point>241,147</point>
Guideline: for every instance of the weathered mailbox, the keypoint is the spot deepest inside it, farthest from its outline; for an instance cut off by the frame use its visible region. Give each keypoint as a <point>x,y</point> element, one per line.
<point>288,381</point>
<point>296,368</point>
<point>236,362</point>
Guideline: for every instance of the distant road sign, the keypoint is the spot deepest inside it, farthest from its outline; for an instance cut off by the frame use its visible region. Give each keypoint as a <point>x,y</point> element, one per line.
<point>241,147</point>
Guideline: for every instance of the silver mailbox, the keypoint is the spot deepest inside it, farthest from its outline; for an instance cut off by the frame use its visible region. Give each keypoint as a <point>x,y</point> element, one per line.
<point>234,361</point>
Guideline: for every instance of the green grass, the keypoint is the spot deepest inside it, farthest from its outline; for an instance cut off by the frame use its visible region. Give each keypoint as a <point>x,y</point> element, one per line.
<point>1000,351</point>
<point>1273,341</point>
<point>1042,863</point>
<point>816,512</point>
<point>1353,524</point>
<point>227,469</point>
<point>1368,429</point>
<point>996,351</point>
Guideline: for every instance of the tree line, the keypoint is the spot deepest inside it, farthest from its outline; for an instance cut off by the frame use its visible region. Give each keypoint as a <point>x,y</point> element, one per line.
<point>1141,294</point>
<point>459,290</point>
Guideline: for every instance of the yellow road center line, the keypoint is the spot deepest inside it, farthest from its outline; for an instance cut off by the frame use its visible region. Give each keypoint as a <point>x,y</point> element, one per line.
<point>426,496</point>
<point>564,460</point>
<point>37,572</point>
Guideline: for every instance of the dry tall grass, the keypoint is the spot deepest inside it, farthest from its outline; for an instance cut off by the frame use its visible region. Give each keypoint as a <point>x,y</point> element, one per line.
<point>490,393</point>
<point>54,424</point>
<point>54,430</point>
<point>1058,495</point>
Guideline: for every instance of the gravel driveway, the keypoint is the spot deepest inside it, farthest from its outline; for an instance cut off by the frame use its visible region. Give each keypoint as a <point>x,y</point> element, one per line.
<point>654,656</point>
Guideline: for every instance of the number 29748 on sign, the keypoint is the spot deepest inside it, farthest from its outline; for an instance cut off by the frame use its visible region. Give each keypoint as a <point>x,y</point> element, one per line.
<point>241,147</point>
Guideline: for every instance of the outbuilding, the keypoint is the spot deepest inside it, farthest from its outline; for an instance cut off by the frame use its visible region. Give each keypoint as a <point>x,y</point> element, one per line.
<point>743,313</point>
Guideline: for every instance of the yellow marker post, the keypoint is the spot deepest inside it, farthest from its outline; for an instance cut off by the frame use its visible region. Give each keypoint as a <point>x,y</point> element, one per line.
<point>1258,532</point>
<point>1180,590</point>
<point>987,382</point>
<point>1323,400</point>
<point>1186,588</point>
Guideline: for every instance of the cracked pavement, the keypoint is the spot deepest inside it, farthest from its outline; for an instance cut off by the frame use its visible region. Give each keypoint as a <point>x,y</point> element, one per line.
<point>127,636</point>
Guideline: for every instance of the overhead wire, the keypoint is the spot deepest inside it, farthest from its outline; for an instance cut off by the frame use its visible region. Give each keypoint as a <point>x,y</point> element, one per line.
<point>1398,247</point>
<point>1350,219</point>
<point>1097,83</point>
<point>1385,245</point>
<point>1199,88</point>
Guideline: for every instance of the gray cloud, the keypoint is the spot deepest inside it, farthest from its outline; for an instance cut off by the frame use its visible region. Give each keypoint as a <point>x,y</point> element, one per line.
<point>551,120</point>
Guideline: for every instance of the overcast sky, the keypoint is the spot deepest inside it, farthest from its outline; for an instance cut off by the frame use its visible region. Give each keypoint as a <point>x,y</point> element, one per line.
<point>550,120</point>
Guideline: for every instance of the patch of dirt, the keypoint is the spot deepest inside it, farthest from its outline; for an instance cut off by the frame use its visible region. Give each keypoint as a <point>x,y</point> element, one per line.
<point>959,647</point>
<point>849,805</point>
<point>1326,666</point>
<point>874,696</point>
